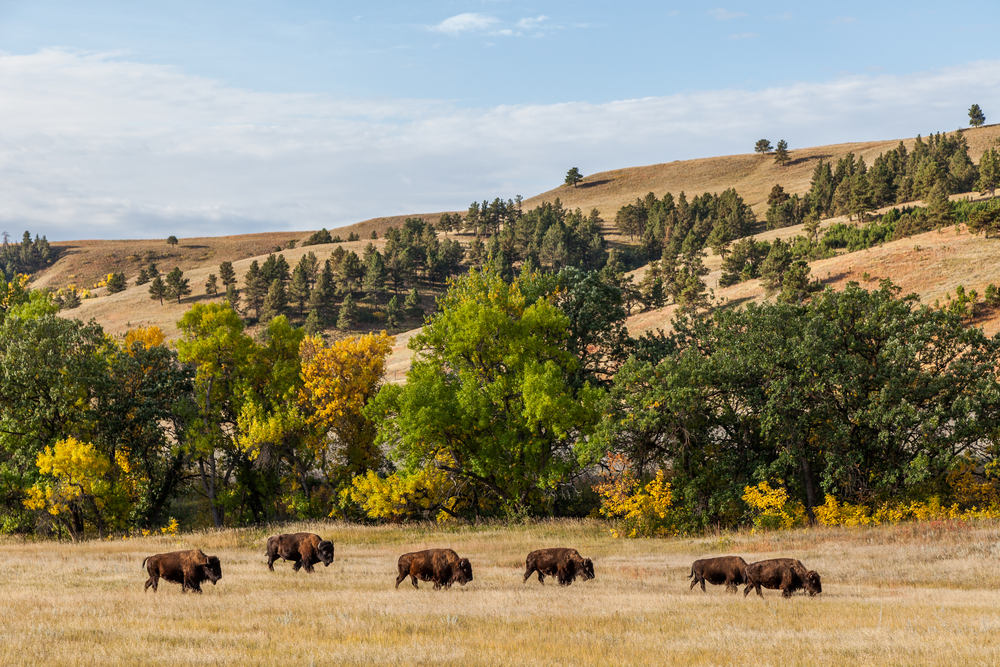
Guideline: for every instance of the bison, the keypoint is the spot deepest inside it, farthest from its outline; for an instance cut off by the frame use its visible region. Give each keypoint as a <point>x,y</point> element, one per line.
<point>305,549</point>
<point>442,566</point>
<point>564,564</point>
<point>787,574</point>
<point>188,568</point>
<point>728,570</point>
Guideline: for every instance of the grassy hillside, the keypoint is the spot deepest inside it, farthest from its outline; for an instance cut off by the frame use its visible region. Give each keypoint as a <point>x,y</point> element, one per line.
<point>914,594</point>
<point>966,261</point>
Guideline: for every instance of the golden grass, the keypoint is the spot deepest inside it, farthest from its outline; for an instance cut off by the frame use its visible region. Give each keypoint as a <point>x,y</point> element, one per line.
<point>920,594</point>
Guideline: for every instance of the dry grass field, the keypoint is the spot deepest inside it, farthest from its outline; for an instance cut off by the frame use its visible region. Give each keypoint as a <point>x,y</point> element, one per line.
<point>916,594</point>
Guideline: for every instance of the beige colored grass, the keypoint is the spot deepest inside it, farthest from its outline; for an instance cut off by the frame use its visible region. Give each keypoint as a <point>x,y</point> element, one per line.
<point>911,595</point>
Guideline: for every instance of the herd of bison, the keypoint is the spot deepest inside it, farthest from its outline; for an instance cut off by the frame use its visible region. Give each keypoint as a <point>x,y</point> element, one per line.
<point>443,567</point>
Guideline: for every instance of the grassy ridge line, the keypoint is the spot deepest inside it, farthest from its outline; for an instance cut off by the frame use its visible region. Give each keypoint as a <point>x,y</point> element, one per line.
<point>916,594</point>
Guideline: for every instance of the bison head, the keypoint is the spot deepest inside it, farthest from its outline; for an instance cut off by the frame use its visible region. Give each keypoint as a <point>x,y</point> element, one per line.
<point>325,552</point>
<point>587,571</point>
<point>464,571</point>
<point>212,571</point>
<point>812,583</point>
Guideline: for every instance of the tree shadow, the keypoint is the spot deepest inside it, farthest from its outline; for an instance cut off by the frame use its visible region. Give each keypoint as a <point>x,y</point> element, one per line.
<point>810,158</point>
<point>593,184</point>
<point>733,303</point>
<point>193,247</point>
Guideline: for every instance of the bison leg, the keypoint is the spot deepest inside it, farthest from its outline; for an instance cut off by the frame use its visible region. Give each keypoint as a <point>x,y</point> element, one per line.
<point>152,581</point>
<point>309,566</point>
<point>270,561</point>
<point>400,577</point>
<point>528,571</point>
<point>297,566</point>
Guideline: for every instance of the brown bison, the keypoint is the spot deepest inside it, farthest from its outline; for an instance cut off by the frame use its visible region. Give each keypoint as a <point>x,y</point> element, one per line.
<point>787,574</point>
<point>305,549</point>
<point>728,570</point>
<point>563,564</point>
<point>187,568</point>
<point>442,566</point>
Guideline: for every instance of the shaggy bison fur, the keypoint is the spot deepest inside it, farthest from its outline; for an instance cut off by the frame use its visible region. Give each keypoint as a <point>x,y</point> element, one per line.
<point>187,568</point>
<point>563,564</point>
<point>786,574</point>
<point>442,566</point>
<point>305,549</point>
<point>728,570</point>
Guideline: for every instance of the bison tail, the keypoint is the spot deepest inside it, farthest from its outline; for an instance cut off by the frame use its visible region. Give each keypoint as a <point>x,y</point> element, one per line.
<point>144,562</point>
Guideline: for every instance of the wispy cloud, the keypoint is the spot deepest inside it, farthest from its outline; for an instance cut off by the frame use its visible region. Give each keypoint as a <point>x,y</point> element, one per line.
<point>532,23</point>
<point>721,14</point>
<point>468,22</point>
<point>95,146</point>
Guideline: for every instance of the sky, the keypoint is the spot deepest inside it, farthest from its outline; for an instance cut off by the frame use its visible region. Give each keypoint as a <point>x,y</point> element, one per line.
<point>146,119</point>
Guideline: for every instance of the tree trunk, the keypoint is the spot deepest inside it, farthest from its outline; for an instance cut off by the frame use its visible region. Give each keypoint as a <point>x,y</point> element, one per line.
<point>807,479</point>
<point>208,484</point>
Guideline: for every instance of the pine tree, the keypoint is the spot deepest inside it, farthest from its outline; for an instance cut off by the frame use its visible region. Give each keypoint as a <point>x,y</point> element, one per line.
<point>939,210</point>
<point>976,116</point>
<point>989,172</point>
<point>781,156</point>
<point>254,288</point>
<point>227,274</point>
<point>573,176</point>
<point>211,285</point>
<point>392,314</point>
<point>349,314</point>
<point>177,285</point>
<point>313,324</point>
<point>117,283</point>
<point>152,271</point>
<point>299,290</point>
<point>157,290</point>
<point>412,304</point>
<point>276,301</point>
<point>143,277</point>
<point>763,146</point>
<point>233,296</point>
<point>72,300</point>
<point>375,277</point>
<point>171,240</point>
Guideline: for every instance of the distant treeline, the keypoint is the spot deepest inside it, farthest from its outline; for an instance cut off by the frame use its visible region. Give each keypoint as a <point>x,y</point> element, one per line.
<point>25,257</point>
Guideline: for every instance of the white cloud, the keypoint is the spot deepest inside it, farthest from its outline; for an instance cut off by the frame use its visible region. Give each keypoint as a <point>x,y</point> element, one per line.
<point>721,14</point>
<point>532,23</point>
<point>93,146</point>
<point>468,22</point>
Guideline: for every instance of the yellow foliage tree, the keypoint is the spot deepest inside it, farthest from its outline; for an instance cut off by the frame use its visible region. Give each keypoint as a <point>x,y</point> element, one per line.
<point>150,337</point>
<point>772,508</point>
<point>638,510</point>
<point>339,381</point>
<point>399,496</point>
<point>75,489</point>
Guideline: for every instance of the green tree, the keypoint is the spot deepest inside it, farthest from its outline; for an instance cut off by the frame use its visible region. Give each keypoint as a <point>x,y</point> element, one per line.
<point>488,402</point>
<point>299,290</point>
<point>393,316</point>
<point>412,304</point>
<point>157,289</point>
<point>254,288</point>
<point>227,274</point>
<point>143,277</point>
<point>763,146</point>
<point>177,285</point>
<point>939,208</point>
<point>989,172</point>
<point>781,156</point>
<point>313,325</point>
<point>171,240</point>
<point>212,285</point>
<point>233,297</point>
<point>573,176</point>
<point>350,314</point>
<point>976,116</point>
<point>275,303</point>
<point>376,276</point>
<point>117,283</point>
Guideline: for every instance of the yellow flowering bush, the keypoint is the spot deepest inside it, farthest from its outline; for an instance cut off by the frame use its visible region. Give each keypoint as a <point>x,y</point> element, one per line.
<point>772,508</point>
<point>638,510</point>
<point>400,496</point>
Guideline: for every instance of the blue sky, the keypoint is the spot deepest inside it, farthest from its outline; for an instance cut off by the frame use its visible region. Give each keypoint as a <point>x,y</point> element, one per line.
<point>141,119</point>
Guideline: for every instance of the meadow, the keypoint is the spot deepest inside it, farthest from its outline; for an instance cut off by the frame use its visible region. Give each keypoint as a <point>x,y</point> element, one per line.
<point>914,594</point>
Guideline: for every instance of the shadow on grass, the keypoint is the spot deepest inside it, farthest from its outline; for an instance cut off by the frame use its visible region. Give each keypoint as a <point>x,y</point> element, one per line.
<point>803,160</point>
<point>594,184</point>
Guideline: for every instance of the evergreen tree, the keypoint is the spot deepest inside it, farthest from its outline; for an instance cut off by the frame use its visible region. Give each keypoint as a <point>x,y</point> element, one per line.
<point>211,285</point>
<point>152,271</point>
<point>989,172</point>
<point>375,276</point>
<point>233,297</point>
<point>412,304</point>
<point>795,285</point>
<point>976,116</point>
<point>171,240</point>
<point>573,176</point>
<point>392,313</point>
<point>763,146</point>
<point>353,236</point>
<point>781,156</point>
<point>177,285</point>
<point>773,268</point>
<point>227,274</point>
<point>939,210</point>
<point>72,300</point>
<point>349,314</point>
<point>350,274</point>
<point>117,283</point>
<point>143,277</point>
<point>862,201</point>
<point>254,288</point>
<point>276,301</point>
<point>299,290</point>
<point>477,252</point>
<point>157,290</point>
<point>313,324</point>
<point>310,264</point>
<point>651,287</point>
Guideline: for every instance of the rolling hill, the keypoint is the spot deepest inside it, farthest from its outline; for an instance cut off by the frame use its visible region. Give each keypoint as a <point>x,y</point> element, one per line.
<point>931,265</point>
